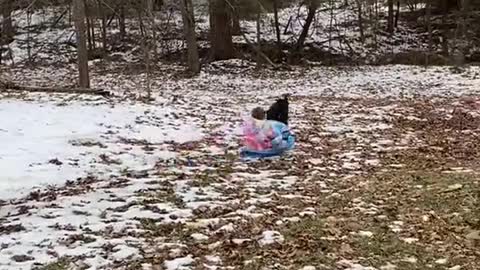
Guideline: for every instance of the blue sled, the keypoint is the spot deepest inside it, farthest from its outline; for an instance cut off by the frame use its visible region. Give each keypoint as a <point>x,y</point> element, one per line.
<point>288,144</point>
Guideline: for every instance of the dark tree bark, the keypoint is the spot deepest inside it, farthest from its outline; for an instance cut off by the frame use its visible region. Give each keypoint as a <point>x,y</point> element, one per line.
<point>104,25</point>
<point>221,30</point>
<point>193,59</point>
<point>429,29</point>
<point>259,38</point>
<point>277,24</point>
<point>390,19</point>
<point>79,18</point>
<point>444,7</point>
<point>312,9</point>
<point>89,34</point>
<point>360,20</point>
<point>121,21</point>
<point>236,29</point>
<point>7,26</point>
<point>397,14</point>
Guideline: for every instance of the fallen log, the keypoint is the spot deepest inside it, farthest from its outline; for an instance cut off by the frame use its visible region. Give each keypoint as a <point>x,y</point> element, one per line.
<point>86,91</point>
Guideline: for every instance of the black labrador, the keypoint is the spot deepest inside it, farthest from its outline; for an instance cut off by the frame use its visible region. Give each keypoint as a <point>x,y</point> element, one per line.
<point>279,110</point>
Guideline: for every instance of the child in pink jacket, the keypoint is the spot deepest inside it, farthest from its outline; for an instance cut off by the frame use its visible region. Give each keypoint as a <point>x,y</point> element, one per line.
<point>258,133</point>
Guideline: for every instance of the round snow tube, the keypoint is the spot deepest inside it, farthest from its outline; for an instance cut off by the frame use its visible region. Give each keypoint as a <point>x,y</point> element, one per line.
<point>284,141</point>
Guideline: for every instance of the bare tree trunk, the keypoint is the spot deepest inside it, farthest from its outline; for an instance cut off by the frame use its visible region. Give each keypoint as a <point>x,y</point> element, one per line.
<point>29,48</point>
<point>79,18</point>
<point>397,14</point>
<point>312,9</point>
<point>390,19</point>
<point>193,59</point>
<point>460,49</point>
<point>221,30</point>
<point>277,24</point>
<point>89,34</point>
<point>445,50</point>
<point>465,15</point>
<point>236,28</point>
<point>360,20</point>
<point>7,26</point>
<point>375,24</point>
<point>92,25</point>
<point>149,6</point>
<point>330,27</point>
<point>104,25</point>
<point>145,45</point>
<point>429,29</point>
<point>259,37</point>
<point>149,10</point>
<point>121,21</point>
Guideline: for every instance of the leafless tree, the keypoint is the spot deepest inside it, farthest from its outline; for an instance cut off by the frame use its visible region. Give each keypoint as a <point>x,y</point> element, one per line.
<point>190,36</point>
<point>80,28</point>
<point>221,30</point>
<point>312,9</point>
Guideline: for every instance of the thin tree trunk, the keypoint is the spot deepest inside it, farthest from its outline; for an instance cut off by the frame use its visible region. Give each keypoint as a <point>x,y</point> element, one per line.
<point>236,28</point>
<point>29,48</point>
<point>390,19</point>
<point>375,28</point>
<point>221,30</point>
<point>445,50</point>
<point>145,45</point>
<point>89,34</point>
<point>360,21</point>
<point>259,37</point>
<point>79,18</point>
<point>7,26</point>
<point>193,59</point>
<point>92,25</point>
<point>397,14</point>
<point>465,13</point>
<point>429,29</point>
<point>330,27</point>
<point>104,25</point>
<point>121,21</point>
<point>277,24</point>
<point>150,8</point>
<point>312,9</point>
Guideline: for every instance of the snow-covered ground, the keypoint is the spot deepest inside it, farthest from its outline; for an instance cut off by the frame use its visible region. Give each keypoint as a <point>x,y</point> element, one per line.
<point>46,143</point>
<point>153,182</point>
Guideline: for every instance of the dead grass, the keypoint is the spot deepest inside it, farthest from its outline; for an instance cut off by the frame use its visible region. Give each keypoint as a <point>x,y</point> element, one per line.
<point>420,216</point>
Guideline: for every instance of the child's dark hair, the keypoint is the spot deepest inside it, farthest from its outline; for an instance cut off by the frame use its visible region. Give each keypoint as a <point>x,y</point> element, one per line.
<point>258,113</point>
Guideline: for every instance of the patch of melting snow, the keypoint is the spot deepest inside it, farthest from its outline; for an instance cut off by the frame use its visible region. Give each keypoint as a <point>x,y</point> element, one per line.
<point>271,237</point>
<point>240,241</point>
<point>213,259</point>
<point>365,233</point>
<point>123,252</point>
<point>441,261</point>
<point>409,240</point>
<point>227,228</point>
<point>182,263</point>
<point>388,266</point>
<point>199,237</point>
<point>410,260</point>
<point>354,266</point>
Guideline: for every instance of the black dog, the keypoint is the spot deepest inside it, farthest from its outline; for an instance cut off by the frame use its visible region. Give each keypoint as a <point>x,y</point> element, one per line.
<point>279,110</point>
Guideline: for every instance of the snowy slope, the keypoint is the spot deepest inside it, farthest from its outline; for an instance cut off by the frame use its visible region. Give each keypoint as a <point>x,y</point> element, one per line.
<point>35,135</point>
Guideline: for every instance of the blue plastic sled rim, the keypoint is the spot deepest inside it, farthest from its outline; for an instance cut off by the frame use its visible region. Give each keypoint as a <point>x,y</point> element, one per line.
<point>246,153</point>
